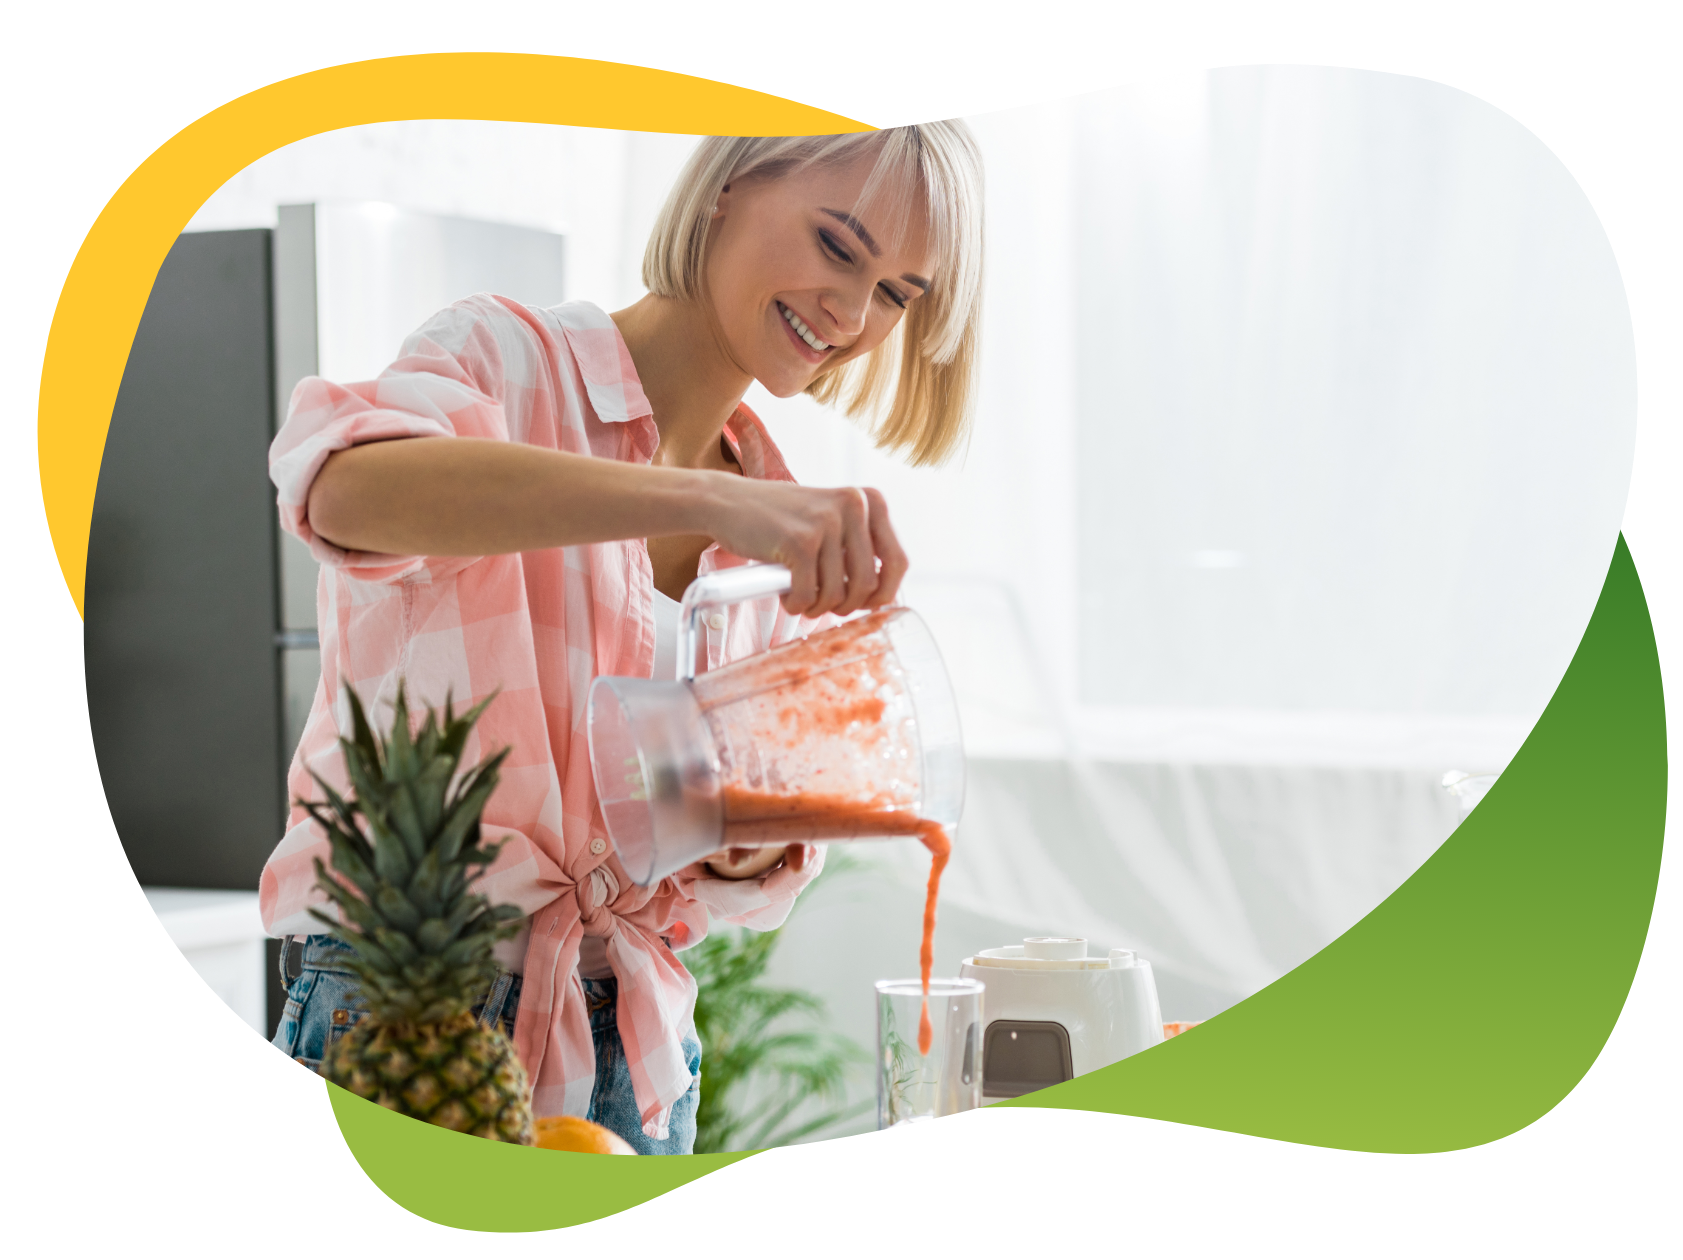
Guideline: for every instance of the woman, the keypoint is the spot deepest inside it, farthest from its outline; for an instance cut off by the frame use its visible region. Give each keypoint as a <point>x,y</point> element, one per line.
<point>517,503</point>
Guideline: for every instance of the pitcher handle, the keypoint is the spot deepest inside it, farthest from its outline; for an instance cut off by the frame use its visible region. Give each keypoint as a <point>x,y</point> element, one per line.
<point>727,586</point>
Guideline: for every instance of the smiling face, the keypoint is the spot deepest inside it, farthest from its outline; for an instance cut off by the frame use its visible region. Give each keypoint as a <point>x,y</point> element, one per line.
<point>803,278</point>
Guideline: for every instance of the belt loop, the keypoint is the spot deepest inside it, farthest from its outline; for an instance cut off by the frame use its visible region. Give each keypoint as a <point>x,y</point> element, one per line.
<point>492,1010</point>
<point>286,978</point>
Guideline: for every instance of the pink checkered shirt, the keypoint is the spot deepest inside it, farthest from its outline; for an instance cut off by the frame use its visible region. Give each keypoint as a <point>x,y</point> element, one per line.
<point>535,627</point>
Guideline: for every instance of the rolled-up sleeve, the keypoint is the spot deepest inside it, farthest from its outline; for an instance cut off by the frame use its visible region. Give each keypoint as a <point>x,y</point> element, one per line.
<point>446,382</point>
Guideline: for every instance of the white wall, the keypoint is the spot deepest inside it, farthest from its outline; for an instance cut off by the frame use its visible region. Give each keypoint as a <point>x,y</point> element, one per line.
<point>600,189</point>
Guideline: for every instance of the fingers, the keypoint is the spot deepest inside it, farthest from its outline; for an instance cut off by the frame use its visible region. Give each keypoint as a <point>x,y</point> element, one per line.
<point>860,556</point>
<point>886,546</point>
<point>859,561</point>
<point>801,559</point>
<point>745,863</point>
<point>839,546</point>
<point>832,573</point>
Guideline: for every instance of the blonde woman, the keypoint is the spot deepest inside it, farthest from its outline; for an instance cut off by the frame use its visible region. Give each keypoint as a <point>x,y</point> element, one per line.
<point>518,502</point>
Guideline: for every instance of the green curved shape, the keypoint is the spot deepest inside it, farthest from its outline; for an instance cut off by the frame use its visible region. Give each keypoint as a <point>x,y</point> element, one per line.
<point>1476,996</point>
<point>1467,1005</point>
<point>469,1183</point>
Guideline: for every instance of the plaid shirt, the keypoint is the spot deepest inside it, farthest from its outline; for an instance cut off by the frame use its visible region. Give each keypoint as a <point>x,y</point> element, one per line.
<point>536,626</point>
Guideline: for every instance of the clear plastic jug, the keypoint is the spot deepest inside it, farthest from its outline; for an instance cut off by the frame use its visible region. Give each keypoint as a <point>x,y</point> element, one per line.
<point>849,734</point>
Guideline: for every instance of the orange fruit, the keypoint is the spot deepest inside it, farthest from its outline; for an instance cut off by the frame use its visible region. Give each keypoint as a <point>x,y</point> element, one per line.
<point>571,1133</point>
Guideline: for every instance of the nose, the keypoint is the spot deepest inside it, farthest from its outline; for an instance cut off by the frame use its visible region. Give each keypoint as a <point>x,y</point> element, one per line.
<point>847,308</point>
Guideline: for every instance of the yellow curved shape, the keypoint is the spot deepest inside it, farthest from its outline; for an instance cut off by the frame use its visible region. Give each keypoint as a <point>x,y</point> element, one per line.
<point>100,305</point>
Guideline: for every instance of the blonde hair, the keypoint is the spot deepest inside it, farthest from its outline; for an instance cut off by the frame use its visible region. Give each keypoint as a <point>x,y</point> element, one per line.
<point>931,355</point>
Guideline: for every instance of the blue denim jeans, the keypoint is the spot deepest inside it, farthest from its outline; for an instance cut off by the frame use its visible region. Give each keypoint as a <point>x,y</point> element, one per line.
<point>322,1003</point>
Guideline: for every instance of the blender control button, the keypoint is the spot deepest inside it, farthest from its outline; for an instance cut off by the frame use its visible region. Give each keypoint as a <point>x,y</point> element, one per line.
<point>716,621</point>
<point>598,845</point>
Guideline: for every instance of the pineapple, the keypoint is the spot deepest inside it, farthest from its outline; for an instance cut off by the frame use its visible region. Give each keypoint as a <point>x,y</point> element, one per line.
<point>409,843</point>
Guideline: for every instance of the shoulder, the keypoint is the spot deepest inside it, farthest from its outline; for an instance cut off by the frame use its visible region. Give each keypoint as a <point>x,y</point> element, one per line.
<point>496,341</point>
<point>485,337</point>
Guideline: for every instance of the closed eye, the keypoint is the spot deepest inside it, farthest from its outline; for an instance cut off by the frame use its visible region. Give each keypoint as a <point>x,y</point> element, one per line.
<point>833,247</point>
<point>836,250</point>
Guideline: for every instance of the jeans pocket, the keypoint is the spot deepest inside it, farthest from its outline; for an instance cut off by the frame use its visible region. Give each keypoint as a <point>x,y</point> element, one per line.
<point>339,1022</point>
<point>290,1027</point>
<point>328,1006</point>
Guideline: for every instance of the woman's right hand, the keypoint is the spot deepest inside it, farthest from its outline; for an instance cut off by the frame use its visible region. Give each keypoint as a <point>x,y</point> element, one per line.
<point>439,496</point>
<point>838,544</point>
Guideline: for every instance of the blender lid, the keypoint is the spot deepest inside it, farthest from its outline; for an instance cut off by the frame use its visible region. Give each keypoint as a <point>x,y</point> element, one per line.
<point>1051,953</point>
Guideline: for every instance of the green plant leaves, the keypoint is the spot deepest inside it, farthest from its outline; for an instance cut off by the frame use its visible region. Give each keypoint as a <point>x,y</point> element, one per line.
<point>751,1033</point>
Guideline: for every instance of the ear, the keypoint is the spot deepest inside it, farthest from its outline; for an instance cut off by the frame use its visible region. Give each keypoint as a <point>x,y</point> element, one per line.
<point>721,204</point>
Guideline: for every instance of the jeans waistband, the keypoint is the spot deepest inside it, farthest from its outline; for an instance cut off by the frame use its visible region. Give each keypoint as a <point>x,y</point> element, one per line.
<point>324,953</point>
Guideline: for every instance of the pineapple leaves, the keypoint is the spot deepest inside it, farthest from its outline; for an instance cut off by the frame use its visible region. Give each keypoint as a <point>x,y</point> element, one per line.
<point>361,734</point>
<point>408,841</point>
<point>396,909</point>
<point>410,812</point>
<point>454,741</point>
<point>348,851</point>
<point>393,862</point>
<point>399,946</point>
<point>434,935</point>
<point>465,809</point>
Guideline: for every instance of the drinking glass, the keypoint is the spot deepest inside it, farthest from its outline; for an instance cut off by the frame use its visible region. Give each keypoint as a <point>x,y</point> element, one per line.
<point>913,1086</point>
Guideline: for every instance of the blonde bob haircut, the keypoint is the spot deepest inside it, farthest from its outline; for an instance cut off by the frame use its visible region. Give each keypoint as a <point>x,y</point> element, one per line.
<point>929,360</point>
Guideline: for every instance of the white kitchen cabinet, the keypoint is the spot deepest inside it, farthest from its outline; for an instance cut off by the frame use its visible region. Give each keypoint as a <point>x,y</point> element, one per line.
<point>221,933</point>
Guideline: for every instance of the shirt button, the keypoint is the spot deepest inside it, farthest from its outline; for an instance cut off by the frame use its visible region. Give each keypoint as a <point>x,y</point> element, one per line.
<point>716,621</point>
<point>598,846</point>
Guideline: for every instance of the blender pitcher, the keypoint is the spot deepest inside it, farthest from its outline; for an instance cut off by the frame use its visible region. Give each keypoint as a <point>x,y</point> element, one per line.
<point>849,734</point>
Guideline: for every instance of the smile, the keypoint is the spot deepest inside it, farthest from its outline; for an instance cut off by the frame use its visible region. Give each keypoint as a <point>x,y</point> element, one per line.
<point>801,330</point>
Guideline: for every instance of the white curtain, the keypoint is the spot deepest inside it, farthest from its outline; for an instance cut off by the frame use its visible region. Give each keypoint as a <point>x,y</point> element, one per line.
<point>1306,420</point>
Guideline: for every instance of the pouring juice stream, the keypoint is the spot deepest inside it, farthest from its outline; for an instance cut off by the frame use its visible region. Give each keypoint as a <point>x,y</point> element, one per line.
<point>823,692</point>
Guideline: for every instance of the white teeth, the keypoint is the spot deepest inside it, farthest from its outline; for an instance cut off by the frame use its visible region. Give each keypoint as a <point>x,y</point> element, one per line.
<point>800,327</point>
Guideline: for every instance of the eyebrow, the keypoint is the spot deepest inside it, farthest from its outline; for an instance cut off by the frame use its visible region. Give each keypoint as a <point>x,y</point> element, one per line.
<point>869,241</point>
<point>859,229</point>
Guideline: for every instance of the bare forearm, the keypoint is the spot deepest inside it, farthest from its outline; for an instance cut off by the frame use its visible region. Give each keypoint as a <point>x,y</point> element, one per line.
<point>479,497</point>
<point>475,497</point>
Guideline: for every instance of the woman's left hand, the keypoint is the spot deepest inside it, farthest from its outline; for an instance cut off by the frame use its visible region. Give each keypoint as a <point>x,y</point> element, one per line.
<point>745,863</point>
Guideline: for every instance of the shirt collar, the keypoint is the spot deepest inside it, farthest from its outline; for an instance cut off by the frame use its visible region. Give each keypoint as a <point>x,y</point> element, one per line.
<point>754,449</point>
<point>610,378</point>
<point>616,395</point>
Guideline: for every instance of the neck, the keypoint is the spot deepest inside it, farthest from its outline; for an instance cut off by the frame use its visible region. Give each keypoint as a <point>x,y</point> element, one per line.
<point>691,383</point>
